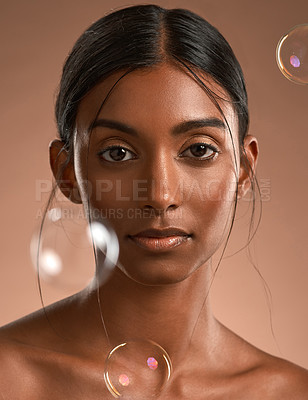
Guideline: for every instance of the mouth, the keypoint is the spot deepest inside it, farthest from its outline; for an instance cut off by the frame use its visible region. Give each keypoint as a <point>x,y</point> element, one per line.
<point>160,239</point>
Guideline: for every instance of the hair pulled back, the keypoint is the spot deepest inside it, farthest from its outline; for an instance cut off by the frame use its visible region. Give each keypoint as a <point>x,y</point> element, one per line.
<point>143,36</point>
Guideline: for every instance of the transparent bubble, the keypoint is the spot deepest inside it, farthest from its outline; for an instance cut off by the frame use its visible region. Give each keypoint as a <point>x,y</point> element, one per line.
<point>137,370</point>
<point>106,240</point>
<point>66,258</point>
<point>292,54</point>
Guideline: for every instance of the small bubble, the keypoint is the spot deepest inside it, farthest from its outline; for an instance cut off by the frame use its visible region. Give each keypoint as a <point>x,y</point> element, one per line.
<point>137,370</point>
<point>292,54</point>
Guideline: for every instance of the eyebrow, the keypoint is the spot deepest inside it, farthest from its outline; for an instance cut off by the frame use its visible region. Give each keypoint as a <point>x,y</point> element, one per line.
<point>198,123</point>
<point>183,127</point>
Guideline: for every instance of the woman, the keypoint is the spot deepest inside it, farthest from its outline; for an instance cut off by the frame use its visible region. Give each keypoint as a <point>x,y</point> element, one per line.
<point>152,117</point>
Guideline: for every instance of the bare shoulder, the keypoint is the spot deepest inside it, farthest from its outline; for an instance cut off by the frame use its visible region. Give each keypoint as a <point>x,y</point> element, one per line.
<point>15,361</point>
<point>287,380</point>
<point>40,358</point>
<point>51,329</point>
<point>274,378</point>
<point>31,329</point>
<point>31,353</point>
<point>257,375</point>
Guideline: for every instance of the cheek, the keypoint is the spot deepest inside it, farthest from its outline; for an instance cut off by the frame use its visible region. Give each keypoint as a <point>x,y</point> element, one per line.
<point>212,202</point>
<point>215,185</point>
<point>112,200</point>
<point>111,192</point>
<point>221,189</point>
<point>101,189</point>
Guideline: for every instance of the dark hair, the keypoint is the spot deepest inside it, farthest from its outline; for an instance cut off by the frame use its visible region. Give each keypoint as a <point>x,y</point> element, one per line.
<point>140,37</point>
<point>143,36</point>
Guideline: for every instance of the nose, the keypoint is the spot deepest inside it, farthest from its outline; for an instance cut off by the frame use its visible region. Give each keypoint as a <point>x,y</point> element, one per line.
<point>164,184</point>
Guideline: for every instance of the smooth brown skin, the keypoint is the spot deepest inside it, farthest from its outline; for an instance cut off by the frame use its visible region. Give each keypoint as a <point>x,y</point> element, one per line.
<point>157,296</point>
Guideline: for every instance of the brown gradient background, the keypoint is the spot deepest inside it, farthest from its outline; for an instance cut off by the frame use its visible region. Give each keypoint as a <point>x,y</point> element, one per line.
<point>36,36</point>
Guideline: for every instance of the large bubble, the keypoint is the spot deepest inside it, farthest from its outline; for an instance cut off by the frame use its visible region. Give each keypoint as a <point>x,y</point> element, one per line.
<point>63,253</point>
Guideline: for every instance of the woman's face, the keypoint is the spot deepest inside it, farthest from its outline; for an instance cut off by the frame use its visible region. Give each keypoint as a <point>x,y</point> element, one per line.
<point>161,170</point>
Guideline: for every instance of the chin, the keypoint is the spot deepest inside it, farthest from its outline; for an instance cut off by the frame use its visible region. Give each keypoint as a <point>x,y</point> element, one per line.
<point>157,274</point>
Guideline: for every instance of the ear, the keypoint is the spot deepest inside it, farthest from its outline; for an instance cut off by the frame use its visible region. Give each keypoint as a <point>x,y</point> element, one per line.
<point>62,166</point>
<point>249,158</point>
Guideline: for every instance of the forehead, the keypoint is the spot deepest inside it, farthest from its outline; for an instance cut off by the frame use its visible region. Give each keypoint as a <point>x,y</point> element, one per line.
<point>160,95</point>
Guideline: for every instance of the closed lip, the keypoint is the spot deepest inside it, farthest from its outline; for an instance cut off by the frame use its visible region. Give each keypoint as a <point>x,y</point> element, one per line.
<point>160,239</point>
<point>161,233</point>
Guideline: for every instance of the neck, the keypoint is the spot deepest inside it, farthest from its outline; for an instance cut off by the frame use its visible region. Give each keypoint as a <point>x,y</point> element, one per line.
<point>176,316</point>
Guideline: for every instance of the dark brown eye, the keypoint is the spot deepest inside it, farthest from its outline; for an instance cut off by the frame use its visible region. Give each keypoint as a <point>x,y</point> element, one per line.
<point>198,150</point>
<point>202,151</point>
<point>116,154</point>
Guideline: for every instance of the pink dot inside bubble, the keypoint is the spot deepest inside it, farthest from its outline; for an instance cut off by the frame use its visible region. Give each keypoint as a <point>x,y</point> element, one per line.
<point>294,61</point>
<point>152,363</point>
<point>124,380</point>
